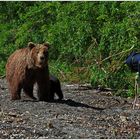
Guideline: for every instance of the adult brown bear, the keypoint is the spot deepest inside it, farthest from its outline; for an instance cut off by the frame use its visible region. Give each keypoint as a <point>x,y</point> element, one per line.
<point>28,66</point>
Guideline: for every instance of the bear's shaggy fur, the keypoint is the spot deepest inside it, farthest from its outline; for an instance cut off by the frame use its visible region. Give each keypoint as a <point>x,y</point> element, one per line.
<point>55,87</point>
<point>27,66</point>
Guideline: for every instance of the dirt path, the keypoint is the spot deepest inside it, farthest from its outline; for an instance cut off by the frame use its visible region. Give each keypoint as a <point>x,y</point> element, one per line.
<point>84,113</point>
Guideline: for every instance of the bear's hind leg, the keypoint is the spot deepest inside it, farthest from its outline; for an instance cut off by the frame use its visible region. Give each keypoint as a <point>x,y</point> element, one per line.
<point>15,92</point>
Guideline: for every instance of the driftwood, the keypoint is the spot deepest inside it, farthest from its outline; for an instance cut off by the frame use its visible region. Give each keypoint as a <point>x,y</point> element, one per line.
<point>137,89</point>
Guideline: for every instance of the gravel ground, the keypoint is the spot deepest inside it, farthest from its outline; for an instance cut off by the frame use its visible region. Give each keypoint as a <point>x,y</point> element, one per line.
<point>84,113</point>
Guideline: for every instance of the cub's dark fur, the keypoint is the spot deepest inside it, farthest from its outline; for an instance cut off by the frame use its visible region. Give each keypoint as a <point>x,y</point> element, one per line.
<point>55,87</point>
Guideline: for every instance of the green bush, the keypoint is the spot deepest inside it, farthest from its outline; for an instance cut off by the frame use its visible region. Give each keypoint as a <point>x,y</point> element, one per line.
<point>89,40</point>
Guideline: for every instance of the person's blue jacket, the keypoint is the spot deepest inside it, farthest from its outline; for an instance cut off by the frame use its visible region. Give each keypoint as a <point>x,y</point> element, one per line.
<point>133,61</point>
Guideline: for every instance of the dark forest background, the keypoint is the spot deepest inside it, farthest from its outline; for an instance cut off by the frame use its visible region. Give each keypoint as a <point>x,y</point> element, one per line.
<point>89,40</point>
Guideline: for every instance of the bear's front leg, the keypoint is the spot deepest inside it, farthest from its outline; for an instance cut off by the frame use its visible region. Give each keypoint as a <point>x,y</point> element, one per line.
<point>28,90</point>
<point>43,91</point>
<point>43,85</point>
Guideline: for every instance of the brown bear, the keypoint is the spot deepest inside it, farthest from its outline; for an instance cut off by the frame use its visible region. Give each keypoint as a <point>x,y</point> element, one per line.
<point>28,66</point>
<point>55,87</point>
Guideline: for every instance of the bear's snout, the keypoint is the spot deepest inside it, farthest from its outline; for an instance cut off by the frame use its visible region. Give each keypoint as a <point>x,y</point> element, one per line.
<point>41,61</point>
<point>42,58</point>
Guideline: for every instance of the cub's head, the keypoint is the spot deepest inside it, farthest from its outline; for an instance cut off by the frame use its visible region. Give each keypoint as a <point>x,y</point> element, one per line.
<point>38,54</point>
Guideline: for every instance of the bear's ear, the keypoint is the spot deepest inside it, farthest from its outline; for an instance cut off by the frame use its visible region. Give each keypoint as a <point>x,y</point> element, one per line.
<point>31,45</point>
<point>47,44</point>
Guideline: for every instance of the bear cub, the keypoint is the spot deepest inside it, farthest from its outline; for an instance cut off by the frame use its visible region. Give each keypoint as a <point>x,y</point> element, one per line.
<point>55,87</point>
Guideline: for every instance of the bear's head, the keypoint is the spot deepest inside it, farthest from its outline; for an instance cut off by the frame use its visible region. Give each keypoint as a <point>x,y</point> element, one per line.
<point>38,54</point>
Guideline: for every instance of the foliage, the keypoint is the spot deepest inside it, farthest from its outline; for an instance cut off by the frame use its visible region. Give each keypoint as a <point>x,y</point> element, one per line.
<point>89,40</point>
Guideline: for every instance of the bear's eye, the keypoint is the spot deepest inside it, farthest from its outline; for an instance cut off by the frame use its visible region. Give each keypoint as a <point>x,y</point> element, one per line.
<point>45,53</point>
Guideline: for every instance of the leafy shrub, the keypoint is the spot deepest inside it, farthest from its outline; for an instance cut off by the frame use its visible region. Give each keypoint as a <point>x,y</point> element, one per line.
<point>89,40</point>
